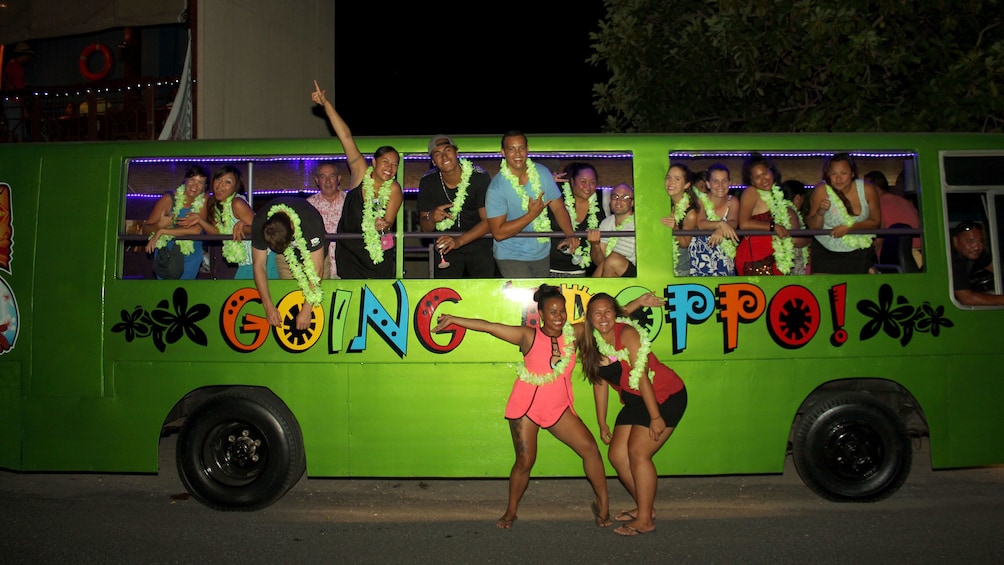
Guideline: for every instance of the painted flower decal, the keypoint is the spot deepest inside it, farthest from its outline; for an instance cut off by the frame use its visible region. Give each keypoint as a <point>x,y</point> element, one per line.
<point>166,323</point>
<point>899,319</point>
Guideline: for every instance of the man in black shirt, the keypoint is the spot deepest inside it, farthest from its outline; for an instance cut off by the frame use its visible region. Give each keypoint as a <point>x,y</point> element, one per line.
<point>972,267</point>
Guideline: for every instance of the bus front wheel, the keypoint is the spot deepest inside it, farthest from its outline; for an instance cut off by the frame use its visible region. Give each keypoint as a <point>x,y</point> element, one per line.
<point>852,448</point>
<point>240,449</point>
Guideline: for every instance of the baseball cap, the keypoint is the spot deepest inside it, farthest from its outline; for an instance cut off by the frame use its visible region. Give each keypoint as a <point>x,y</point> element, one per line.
<point>437,140</point>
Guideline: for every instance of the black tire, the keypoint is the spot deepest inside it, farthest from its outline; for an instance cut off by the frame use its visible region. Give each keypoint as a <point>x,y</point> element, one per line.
<point>240,450</point>
<point>852,448</point>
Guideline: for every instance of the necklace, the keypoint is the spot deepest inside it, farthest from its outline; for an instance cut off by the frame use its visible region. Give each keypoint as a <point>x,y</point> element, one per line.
<point>679,213</point>
<point>567,357</point>
<point>583,254</point>
<point>784,248</point>
<point>186,246</point>
<point>233,251</point>
<point>302,269</point>
<point>374,205</point>
<point>612,242</point>
<point>541,223</point>
<point>622,354</point>
<point>466,168</point>
<point>727,245</point>
<point>844,219</point>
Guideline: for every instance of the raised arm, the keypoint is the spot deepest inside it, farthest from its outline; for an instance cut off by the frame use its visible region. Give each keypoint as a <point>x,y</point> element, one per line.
<point>357,165</point>
<point>516,335</point>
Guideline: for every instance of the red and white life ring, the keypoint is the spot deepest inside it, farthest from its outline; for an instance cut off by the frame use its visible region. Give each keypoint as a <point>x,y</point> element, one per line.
<point>106,66</point>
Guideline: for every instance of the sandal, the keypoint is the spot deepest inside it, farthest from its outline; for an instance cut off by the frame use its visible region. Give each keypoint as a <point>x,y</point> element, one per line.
<point>601,521</point>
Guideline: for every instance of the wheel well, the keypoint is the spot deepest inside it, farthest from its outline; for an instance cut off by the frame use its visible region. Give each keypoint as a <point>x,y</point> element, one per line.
<point>184,407</point>
<point>893,395</point>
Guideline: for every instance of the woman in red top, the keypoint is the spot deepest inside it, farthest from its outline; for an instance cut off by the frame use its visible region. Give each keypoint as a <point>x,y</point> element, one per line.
<point>653,405</point>
<point>542,397</point>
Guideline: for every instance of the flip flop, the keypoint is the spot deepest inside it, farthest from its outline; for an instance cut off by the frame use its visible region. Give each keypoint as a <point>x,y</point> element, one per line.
<point>600,521</point>
<point>505,523</point>
<point>625,516</point>
<point>629,531</point>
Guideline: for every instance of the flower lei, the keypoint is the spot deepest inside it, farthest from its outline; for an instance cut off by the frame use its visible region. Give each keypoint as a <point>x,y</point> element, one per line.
<point>466,168</point>
<point>640,363</point>
<point>784,248</point>
<point>591,221</point>
<point>567,353</point>
<point>845,219</point>
<point>612,242</point>
<point>679,212</point>
<point>727,245</point>
<point>302,270</point>
<point>233,251</point>
<point>541,223</point>
<point>370,213</point>
<point>186,246</point>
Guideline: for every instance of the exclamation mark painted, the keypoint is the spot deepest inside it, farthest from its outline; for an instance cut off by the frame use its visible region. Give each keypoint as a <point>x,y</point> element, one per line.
<point>838,307</point>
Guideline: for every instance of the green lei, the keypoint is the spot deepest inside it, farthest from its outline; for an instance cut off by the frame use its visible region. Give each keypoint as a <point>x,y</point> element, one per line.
<point>727,245</point>
<point>612,242</point>
<point>567,354</point>
<point>303,269</point>
<point>784,247</point>
<point>640,363</point>
<point>845,219</point>
<point>541,223</point>
<point>591,220</point>
<point>233,251</point>
<point>186,246</point>
<point>679,213</point>
<point>370,213</point>
<point>466,168</point>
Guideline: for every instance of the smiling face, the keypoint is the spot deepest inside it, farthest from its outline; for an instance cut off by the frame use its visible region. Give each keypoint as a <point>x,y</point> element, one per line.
<point>553,316</point>
<point>761,176</point>
<point>584,184</point>
<point>621,200</point>
<point>676,181</point>
<point>602,315</point>
<point>194,186</point>
<point>515,150</point>
<point>224,185</point>
<point>328,179</point>
<point>840,175</point>
<point>445,157</point>
<point>385,166</point>
<point>718,183</point>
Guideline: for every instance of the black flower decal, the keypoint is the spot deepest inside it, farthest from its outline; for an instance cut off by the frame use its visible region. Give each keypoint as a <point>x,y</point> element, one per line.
<point>899,319</point>
<point>166,324</point>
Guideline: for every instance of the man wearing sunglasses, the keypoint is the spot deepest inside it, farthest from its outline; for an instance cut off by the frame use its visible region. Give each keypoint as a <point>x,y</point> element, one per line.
<point>615,256</point>
<point>972,267</point>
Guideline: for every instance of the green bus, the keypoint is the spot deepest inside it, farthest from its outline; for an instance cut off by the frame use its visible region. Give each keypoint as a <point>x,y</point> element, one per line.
<point>846,373</point>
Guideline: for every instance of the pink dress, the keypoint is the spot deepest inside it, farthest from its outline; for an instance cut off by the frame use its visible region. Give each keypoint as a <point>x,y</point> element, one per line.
<point>543,404</point>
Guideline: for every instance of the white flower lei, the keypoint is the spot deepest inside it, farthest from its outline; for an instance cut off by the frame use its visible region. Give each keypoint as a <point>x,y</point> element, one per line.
<point>466,168</point>
<point>612,242</point>
<point>640,363</point>
<point>679,213</point>
<point>784,247</point>
<point>303,269</point>
<point>370,213</point>
<point>541,223</point>
<point>591,220</point>
<point>233,251</point>
<point>186,246</point>
<point>845,219</point>
<point>566,357</point>
<point>727,245</point>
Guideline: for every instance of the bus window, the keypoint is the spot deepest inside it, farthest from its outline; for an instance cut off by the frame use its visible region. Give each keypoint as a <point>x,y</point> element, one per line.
<point>974,203</point>
<point>805,169</point>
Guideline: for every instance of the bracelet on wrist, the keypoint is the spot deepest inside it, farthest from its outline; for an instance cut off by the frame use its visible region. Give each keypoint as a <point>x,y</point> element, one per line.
<point>772,225</point>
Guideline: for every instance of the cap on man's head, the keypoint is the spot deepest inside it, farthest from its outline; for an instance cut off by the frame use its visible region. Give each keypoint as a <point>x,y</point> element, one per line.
<point>965,226</point>
<point>438,140</point>
<point>23,49</point>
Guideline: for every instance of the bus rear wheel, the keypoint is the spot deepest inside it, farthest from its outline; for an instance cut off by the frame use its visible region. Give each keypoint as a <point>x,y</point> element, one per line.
<point>852,448</point>
<point>240,450</point>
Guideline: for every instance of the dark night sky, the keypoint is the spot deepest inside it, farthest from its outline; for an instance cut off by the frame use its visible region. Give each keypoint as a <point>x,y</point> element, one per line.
<point>427,68</point>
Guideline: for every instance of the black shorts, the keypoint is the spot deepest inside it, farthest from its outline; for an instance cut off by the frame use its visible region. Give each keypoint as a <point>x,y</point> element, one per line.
<point>635,413</point>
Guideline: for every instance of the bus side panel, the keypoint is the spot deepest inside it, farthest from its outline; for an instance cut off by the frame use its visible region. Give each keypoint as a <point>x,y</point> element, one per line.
<point>10,414</point>
<point>68,277</point>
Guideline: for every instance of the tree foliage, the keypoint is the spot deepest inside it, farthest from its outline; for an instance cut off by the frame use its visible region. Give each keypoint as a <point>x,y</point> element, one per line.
<point>801,65</point>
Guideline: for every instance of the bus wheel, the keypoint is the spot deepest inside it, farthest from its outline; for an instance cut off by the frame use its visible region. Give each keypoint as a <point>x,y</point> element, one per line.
<point>240,449</point>
<point>852,448</point>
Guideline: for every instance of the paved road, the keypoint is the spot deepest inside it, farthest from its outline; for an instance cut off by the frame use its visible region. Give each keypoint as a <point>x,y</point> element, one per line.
<point>937,517</point>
